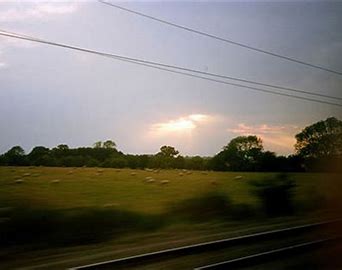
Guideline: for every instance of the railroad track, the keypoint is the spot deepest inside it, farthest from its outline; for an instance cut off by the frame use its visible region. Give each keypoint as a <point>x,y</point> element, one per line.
<point>267,255</point>
<point>220,244</point>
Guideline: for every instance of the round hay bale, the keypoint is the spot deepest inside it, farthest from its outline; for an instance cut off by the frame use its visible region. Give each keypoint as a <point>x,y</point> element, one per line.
<point>55,181</point>
<point>19,181</point>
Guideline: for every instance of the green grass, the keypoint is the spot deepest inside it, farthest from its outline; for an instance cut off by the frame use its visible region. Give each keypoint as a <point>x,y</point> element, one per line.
<point>86,187</point>
<point>90,205</point>
<point>118,211</point>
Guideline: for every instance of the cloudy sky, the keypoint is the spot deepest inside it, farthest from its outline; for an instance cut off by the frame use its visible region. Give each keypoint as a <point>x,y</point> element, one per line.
<point>51,95</point>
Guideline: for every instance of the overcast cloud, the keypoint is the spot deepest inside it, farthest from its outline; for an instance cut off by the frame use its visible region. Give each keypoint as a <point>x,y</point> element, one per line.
<point>50,96</point>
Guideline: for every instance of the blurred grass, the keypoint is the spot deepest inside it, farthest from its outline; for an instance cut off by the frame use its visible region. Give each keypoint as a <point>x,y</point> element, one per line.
<point>45,228</point>
<point>91,187</point>
<point>53,207</point>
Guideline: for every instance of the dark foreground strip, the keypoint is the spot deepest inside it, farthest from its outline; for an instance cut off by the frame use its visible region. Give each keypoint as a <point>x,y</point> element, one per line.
<point>201,247</point>
<point>266,256</point>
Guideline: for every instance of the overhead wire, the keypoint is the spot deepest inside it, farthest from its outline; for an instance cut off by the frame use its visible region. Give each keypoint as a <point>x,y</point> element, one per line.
<point>30,38</point>
<point>155,65</point>
<point>243,45</point>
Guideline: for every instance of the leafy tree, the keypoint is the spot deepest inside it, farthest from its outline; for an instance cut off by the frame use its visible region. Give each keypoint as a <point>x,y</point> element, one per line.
<point>97,144</point>
<point>268,162</point>
<point>16,151</point>
<point>38,152</point>
<point>241,154</point>
<point>194,163</point>
<point>165,158</point>
<point>15,156</point>
<point>179,162</point>
<point>168,151</point>
<point>321,139</point>
<point>109,144</point>
<point>40,155</point>
<point>63,147</point>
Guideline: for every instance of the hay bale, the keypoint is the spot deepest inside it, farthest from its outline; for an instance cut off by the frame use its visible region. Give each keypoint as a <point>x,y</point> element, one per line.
<point>180,174</point>
<point>106,205</point>
<point>151,180</point>
<point>164,182</point>
<point>19,181</point>
<point>70,172</point>
<point>238,177</point>
<point>55,181</point>
<point>26,174</point>
<point>133,173</point>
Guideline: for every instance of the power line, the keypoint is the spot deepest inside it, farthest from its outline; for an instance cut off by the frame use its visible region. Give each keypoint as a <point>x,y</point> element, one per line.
<point>234,84</point>
<point>246,46</point>
<point>12,34</point>
<point>155,66</point>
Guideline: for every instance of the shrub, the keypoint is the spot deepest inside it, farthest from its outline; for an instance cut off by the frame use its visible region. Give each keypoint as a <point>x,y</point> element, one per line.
<point>276,195</point>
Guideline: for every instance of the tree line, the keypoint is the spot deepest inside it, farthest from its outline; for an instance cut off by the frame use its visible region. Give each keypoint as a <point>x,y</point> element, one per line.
<point>318,148</point>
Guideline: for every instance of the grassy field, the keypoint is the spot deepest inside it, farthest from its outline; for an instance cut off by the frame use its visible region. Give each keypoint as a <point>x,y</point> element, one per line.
<point>46,211</point>
<point>61,188</point>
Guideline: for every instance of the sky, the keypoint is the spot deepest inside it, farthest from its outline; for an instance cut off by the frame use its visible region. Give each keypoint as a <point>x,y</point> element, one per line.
<point>50,96</point>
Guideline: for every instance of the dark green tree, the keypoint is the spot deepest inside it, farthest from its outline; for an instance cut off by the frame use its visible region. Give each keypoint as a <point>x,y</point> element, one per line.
<point>168,151</point>
<point>40,155</point>
<point>321,139</point>
<point>97,144</point>
<point>63,147</point>
<point>241,154</point>
<point>109,144</point>
<point>15,156</point>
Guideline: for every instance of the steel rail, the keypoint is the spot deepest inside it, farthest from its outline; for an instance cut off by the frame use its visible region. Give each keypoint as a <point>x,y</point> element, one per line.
<point>267,255</point>
<point>201,247</point>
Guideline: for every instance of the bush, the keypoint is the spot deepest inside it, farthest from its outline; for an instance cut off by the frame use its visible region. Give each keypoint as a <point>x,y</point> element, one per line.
<point>276,195</point>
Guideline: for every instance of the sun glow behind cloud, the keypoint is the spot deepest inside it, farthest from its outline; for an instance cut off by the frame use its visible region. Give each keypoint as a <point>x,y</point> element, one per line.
<point>185,132</point>
<point>182,125</point>
<point>175,126</point>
